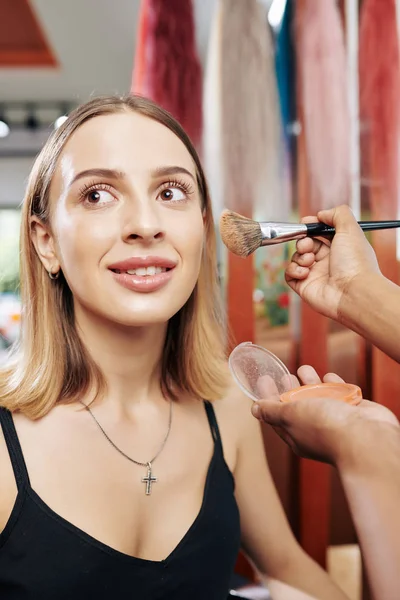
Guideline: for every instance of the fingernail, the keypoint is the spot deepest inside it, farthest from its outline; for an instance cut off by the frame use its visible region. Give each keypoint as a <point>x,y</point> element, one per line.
<point>256,410</point>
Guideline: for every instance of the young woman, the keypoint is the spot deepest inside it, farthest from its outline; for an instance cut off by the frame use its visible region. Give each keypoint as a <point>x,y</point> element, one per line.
<point>126,457</point>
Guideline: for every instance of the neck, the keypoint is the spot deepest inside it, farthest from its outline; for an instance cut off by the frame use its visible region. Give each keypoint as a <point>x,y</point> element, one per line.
<point>129,357</point>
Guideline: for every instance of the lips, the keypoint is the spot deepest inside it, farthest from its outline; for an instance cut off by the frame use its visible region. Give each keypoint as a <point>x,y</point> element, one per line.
<point>143,274</point>
<point>143,262</point>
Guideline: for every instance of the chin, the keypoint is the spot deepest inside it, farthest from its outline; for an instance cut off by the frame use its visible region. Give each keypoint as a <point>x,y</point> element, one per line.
<point>146,319</point>
<point>141,316</point>
<point>143,311</point>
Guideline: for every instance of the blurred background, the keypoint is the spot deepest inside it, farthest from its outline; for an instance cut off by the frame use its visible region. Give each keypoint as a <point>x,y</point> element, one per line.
<point>293,106</point>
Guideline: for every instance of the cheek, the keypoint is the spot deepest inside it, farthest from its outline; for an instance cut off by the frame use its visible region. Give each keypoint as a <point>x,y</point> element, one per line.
<point>81,244</point>
<point>189,243</point>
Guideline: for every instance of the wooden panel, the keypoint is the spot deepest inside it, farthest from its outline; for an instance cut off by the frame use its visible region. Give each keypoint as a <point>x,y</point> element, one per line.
<point>240,298</point>
<point>385,371</point>
<point>315,484</point>
<point>22,41</point>
<point>314,478</point>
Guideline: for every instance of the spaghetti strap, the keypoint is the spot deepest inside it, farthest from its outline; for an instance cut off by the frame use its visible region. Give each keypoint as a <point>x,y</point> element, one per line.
<point>213,423</point>
<point>14,449</point>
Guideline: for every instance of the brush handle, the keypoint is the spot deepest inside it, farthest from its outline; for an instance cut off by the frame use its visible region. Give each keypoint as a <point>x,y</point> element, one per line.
<point>314,229</point>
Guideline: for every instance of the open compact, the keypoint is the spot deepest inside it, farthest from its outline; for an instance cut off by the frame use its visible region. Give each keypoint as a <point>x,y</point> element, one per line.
<point>260,375</point>
<point>258,372</point>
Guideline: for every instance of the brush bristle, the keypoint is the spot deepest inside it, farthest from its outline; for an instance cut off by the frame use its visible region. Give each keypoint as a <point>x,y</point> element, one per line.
<point>240,235</point>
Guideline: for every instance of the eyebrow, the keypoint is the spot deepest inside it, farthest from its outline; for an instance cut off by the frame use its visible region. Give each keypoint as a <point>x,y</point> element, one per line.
<point>163,171</point>
<point>115,174</point>
<point>109,173</point>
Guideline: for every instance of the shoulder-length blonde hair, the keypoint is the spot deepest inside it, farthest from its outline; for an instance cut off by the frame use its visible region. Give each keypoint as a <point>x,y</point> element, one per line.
<point>50,362</point>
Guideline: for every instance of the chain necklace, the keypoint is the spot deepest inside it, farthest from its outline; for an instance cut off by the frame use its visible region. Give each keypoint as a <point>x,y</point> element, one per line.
<point>150,478</point>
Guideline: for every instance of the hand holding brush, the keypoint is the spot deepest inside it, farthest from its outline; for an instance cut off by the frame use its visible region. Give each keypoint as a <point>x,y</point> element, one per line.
<point>243,236</point>
<point>324,272</point>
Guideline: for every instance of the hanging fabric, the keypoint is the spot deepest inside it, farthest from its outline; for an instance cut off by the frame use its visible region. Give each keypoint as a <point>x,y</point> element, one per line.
<point>139,82</point>
<point>285,74</point>
<point>380,101</point>
<point>242,109</point>
<point>285,70</point>
<point>167,67</point>
<point>212,142</point>
<point>380,121</point>
<point>352,39</point>
<point>322,77</point>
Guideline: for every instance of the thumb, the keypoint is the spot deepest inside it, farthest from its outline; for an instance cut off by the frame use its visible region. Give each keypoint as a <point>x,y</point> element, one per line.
<point>270,411</point>
<point>342,219</point>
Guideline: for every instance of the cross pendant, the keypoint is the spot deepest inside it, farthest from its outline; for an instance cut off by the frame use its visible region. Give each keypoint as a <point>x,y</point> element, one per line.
<point>149,480</point>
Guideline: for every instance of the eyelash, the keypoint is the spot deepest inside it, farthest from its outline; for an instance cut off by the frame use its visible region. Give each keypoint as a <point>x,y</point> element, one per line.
<point>179,184</point>
<point>93,187</point>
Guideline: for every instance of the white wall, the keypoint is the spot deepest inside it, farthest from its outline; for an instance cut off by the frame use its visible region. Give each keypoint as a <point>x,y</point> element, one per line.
<point>13,177</point>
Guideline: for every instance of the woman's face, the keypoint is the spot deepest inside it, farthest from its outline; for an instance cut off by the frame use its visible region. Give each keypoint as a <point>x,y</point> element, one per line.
<point>127,221</point>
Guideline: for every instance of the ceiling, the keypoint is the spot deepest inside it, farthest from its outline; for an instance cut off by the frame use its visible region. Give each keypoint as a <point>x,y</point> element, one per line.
<point>89,48</point>
<point>93,42</point>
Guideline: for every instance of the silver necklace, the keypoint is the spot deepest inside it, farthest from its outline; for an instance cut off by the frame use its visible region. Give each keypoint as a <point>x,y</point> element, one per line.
<point>150,478</point>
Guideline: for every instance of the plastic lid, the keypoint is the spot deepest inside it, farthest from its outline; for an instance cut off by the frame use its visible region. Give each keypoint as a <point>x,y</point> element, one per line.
<point>258,372</point>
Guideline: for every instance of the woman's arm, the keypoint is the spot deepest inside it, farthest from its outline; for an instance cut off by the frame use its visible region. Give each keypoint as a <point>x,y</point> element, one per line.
<point>266,536</point>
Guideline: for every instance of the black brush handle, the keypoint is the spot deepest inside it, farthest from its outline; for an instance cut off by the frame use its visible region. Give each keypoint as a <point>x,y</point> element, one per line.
<point>314,229</point>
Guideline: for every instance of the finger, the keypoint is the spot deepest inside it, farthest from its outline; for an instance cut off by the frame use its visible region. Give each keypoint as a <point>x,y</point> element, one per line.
<point>313,245</point>
<point>270,411</point>
<point>289,382</point>
<point>332,378</point>
<point>307,244</point>
<point>294,271</point>
<point>304,260</point>
<point>323,251</point>
<point>308,375</point>
<point>342,218</point>
<point>266,387</point>
<point>294,381</point>
<point>310,219</point>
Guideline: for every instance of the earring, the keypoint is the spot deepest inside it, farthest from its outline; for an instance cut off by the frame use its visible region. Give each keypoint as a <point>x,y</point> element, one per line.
<point>54,275</point>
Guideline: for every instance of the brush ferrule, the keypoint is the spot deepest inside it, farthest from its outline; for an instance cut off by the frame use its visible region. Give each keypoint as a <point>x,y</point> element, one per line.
<point>276,233</point>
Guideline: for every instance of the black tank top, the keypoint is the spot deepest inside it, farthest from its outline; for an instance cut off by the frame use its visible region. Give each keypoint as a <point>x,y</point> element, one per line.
<point>44,557</point>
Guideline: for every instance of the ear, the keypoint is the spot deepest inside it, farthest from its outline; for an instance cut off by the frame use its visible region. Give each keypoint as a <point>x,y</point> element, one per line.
<point>44,245</point>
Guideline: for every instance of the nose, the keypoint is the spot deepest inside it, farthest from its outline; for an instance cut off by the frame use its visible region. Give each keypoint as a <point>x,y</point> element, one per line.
<point>142,222</point>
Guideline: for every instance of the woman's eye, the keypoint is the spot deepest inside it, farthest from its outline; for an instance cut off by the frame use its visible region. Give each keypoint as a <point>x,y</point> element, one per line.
<point>173,195</point>
<point>99,197</point>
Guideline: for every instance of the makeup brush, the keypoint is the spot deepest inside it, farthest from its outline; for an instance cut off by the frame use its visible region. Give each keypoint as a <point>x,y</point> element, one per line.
<point>243,236</point>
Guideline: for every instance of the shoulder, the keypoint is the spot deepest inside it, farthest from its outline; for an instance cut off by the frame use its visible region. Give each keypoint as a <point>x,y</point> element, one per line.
<point>236,423</point>
<point>234,408</point>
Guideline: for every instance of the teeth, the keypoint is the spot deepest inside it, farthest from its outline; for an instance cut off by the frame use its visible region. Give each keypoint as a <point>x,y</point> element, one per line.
<point>143,271</point>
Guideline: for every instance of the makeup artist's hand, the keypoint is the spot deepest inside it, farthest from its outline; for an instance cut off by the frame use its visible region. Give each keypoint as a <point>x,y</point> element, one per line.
<point>326,430</point>
<point>322,270</point>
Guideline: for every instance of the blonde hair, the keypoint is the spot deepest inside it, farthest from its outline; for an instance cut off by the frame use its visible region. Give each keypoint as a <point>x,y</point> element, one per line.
<point>50,362</point>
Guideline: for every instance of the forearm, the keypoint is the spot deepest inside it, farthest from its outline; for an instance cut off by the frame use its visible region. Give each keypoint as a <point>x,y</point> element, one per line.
<point>371,307</point>
<point>371,480</point>
<point>303,579</point>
